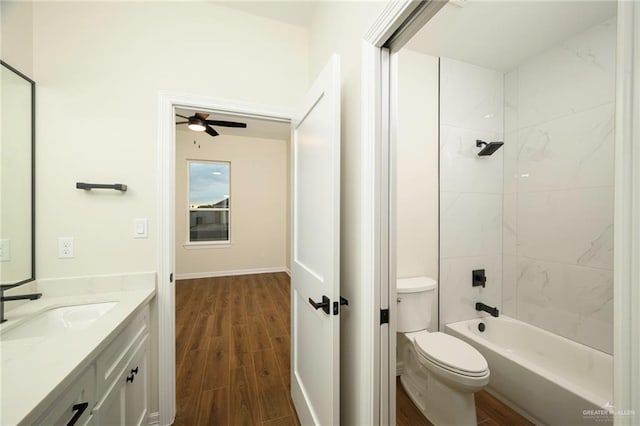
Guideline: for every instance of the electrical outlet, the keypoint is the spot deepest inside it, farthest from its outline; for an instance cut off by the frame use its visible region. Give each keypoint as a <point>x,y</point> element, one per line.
<point>5,250</point>
<point>65,247</point>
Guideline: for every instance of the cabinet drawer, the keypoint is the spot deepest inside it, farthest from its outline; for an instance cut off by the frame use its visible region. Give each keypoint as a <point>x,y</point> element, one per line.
<point>113,360</point>
<point>75,402</point>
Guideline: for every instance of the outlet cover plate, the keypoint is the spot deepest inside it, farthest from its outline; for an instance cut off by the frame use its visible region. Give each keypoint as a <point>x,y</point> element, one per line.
<point>65,248</point>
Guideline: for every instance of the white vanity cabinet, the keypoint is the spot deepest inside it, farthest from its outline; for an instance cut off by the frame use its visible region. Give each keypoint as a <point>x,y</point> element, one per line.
<point>114,388</point>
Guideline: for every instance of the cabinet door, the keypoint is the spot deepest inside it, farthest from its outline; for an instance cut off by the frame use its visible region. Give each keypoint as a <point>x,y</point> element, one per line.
<point>74,404</point>
<point>110,410</point>
<point>136,389</point>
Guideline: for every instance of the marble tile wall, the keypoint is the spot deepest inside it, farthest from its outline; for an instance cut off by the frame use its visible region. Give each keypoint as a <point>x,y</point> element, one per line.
<point>471,107</point>
<point>557,232</point>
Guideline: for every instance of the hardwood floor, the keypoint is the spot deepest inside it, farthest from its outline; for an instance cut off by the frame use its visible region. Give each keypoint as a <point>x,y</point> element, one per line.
<point>232,357</point>
<point>489,411</point>
<point>232,351</point>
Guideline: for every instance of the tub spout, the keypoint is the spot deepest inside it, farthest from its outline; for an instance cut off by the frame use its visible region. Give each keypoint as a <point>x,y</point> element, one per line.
<point>482,307</point>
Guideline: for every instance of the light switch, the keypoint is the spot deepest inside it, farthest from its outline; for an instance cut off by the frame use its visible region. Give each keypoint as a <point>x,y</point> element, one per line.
<point>5,250</point>
<point>140,228</point>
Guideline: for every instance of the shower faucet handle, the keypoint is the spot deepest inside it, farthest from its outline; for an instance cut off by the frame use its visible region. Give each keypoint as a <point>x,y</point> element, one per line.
<point>478,278</point>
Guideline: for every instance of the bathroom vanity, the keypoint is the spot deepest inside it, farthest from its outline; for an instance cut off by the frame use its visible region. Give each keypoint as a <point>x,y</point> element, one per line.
<point>80,355</point>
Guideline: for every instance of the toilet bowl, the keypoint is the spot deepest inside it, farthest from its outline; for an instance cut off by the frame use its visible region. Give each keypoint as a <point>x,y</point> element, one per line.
<point>441,373</point>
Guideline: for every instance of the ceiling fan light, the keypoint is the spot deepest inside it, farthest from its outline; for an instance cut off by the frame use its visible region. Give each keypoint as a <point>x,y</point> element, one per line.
<point>196,124</point>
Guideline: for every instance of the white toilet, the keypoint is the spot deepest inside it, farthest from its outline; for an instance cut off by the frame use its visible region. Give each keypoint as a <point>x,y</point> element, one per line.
<point>441,372</point>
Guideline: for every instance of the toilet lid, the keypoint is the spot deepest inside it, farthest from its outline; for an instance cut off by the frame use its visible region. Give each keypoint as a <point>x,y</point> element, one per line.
<point>451,353</point>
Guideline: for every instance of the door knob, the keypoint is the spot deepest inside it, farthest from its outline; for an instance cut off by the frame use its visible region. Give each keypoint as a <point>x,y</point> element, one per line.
<point>324,304</point>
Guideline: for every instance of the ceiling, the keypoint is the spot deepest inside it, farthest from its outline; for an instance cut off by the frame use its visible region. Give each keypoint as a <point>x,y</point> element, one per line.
<point>500,35</point>
<point>295,12</point>
<point>256,127</point>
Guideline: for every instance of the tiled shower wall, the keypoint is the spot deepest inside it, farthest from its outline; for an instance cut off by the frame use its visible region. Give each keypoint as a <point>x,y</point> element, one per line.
<point>558,189</point>
<point>471,107</point>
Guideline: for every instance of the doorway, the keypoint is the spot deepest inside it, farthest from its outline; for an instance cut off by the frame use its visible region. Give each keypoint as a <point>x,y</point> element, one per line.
<point>232,250</point>
<point>167,105</point>
<point>315,284</point>
<point>395,35</point>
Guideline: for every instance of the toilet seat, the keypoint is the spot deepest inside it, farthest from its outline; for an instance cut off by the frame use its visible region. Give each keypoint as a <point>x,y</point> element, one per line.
<point>450,353</point>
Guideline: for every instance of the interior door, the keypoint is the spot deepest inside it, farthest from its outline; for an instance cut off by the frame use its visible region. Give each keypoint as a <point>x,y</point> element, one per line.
<point>315,272</point>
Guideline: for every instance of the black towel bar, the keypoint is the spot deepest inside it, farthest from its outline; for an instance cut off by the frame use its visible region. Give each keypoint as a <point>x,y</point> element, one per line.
<point>89,186</point>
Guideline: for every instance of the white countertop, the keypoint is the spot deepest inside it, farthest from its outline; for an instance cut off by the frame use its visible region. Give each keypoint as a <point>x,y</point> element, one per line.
<point>34,371</point>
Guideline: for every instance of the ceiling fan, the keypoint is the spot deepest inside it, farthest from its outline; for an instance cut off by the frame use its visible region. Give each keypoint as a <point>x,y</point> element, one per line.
<point>199,123</point>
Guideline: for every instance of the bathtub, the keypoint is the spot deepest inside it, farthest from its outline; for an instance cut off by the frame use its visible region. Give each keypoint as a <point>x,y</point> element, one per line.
<point>549,379</point>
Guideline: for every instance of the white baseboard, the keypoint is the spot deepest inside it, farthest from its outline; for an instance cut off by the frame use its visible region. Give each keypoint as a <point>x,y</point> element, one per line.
<point>154,419</point>
<point>288,272</point>
<point>195,275</point>
<point>399,368</point>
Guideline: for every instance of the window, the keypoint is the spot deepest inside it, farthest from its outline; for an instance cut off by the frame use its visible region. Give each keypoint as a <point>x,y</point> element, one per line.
<point>209,211</point>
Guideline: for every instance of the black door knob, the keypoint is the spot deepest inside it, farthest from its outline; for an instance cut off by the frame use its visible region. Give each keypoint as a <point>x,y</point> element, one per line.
<point>324,304</point>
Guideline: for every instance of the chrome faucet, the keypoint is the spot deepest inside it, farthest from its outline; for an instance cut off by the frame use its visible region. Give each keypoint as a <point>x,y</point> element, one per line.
<point>482,307</point>
<point>3,298</point>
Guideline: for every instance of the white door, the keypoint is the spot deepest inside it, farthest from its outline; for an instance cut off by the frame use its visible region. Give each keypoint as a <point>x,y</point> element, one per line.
<point>315,274</point>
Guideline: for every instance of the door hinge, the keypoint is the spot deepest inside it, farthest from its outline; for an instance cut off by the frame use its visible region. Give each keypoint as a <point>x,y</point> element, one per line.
<point>171,277</point>
<point>384,316</point>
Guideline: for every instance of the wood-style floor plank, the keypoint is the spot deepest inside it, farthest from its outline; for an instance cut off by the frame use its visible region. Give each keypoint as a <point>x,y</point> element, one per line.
<point>244,400</point>
<point>272,394</point>
<point>233,337</point>
<point>217,370</point>
<point>407,414</point>
<point>495,410</point>
<point>258,333</point>
<point>282,347</point>
<point>283,421</point>
<point>189,386</point>
<point>214,407</point>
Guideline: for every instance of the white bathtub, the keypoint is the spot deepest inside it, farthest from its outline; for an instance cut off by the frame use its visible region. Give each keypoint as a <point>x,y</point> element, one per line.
<point>550,379</point>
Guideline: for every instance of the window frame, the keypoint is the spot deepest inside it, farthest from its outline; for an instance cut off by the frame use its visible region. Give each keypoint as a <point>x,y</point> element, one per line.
<point>206,244</point>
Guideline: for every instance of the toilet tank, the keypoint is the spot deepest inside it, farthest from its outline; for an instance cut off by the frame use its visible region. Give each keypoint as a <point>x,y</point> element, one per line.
<point>415,301</point>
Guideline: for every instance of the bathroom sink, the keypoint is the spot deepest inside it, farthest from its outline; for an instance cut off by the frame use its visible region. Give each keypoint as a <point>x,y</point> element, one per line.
<point>59,320</point>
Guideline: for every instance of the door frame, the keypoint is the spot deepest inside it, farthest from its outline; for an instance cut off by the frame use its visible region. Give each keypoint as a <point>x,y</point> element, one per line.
<point>166,157</point>
<point>395,25</point>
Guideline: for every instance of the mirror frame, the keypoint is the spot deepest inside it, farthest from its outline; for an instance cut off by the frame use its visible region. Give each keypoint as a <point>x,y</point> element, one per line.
<point>33,170</point>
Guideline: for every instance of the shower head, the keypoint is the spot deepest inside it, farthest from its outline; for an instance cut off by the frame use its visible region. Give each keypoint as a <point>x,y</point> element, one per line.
<point>489,148</point>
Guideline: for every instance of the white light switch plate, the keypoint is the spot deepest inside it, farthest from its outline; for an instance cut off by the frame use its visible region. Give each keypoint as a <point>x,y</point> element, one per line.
<point>5,250</point>
<point>141,228</point>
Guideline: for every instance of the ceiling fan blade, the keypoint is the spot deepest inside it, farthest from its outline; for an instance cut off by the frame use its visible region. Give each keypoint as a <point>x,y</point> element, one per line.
<point>182,122</point>
<point>182,116</point>
<point>201,115</point>
<point>227,123</point>
<point>211,131</point>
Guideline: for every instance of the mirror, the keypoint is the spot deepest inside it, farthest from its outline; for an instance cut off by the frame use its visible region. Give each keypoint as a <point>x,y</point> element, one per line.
<point>17,142</point>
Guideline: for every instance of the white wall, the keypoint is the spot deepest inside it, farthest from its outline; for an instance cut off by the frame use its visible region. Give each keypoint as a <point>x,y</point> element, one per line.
<point>558,201</point>
<point>340,27</point>
<point>471,107</point>
<point>259,192</point>
<point>99,67</point>
<point>16,35</point>
<point>417,168</point>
